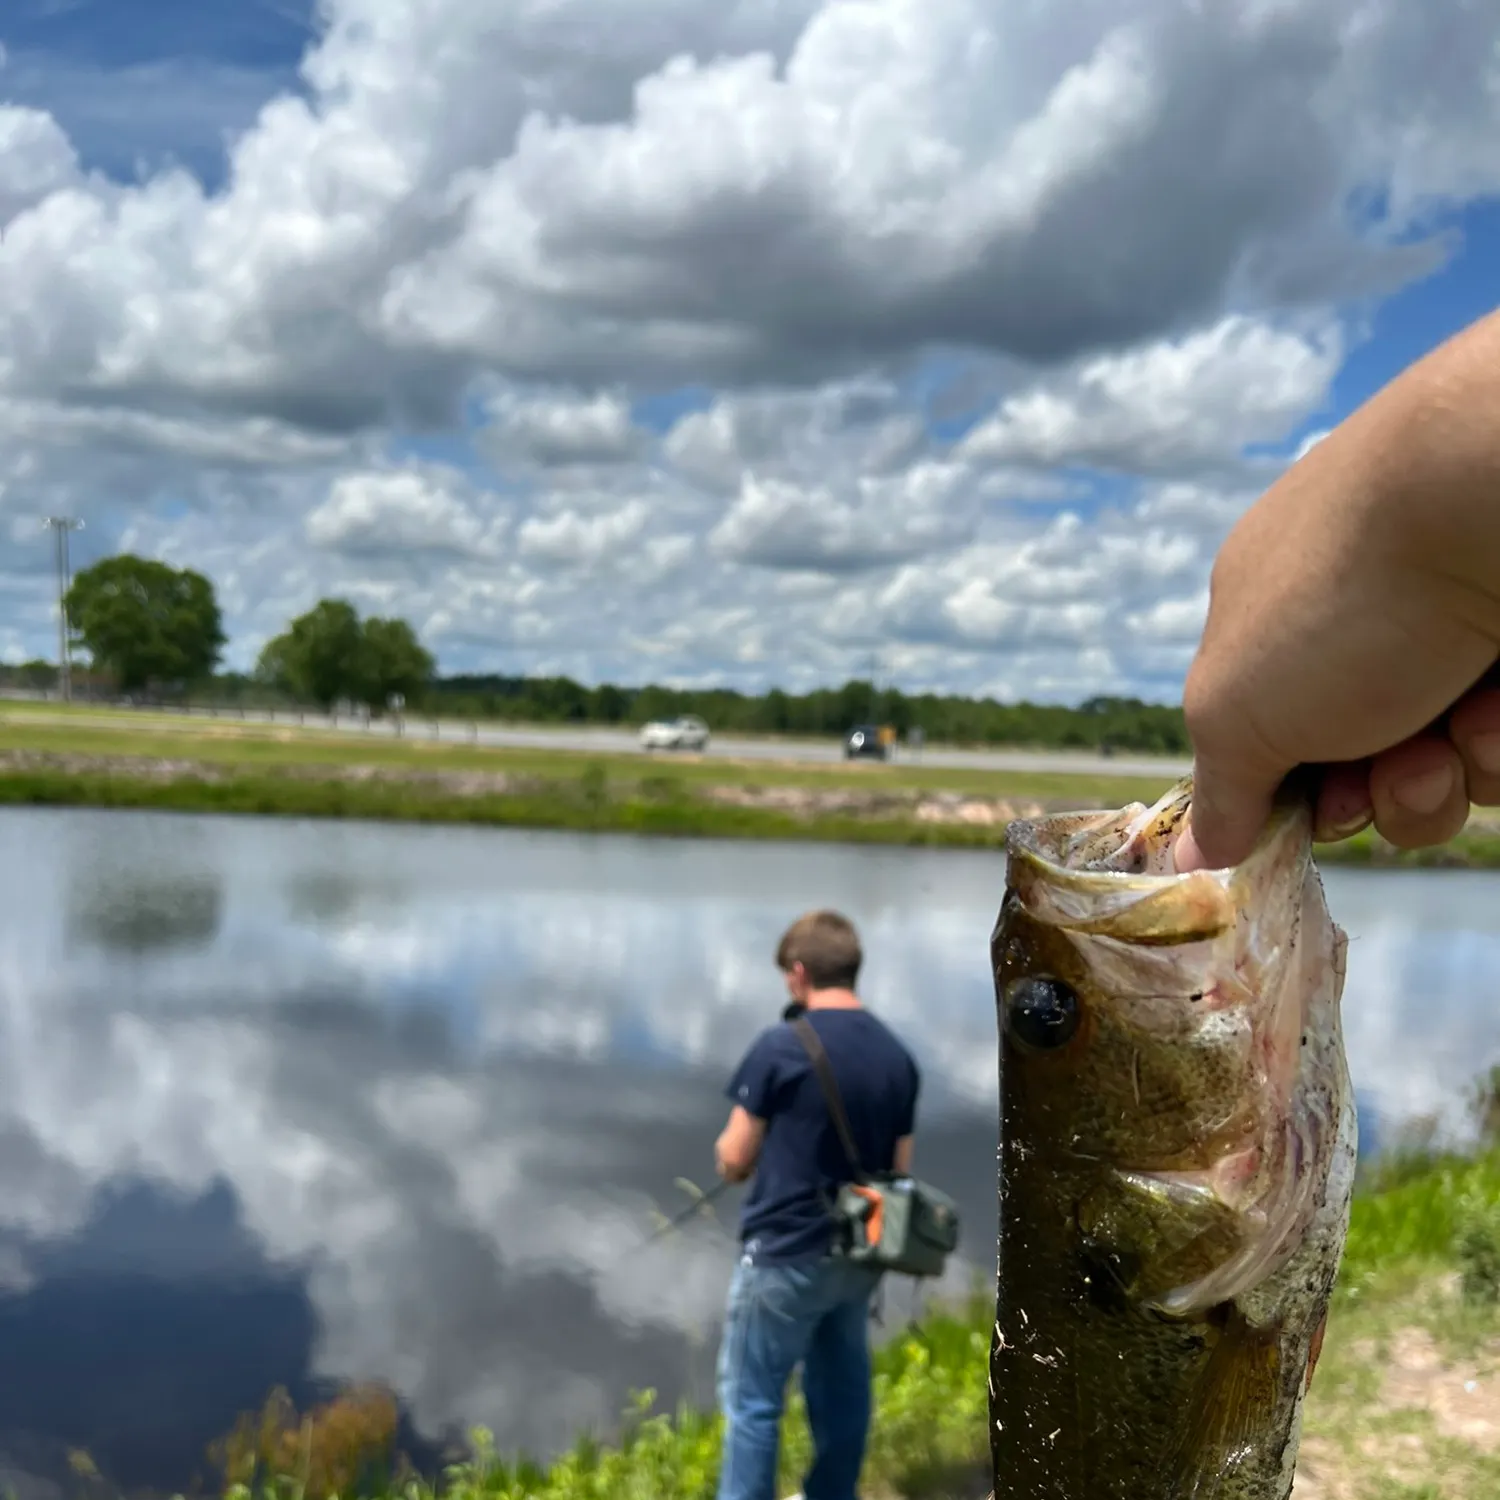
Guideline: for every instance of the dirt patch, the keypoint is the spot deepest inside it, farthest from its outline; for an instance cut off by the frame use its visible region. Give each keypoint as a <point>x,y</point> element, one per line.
<point>1325,1473</point>
<point>148,768</point>
<point>1462,1398</point>
<point>170,768</point>
<point>951,807</point>
<point>923,807</point>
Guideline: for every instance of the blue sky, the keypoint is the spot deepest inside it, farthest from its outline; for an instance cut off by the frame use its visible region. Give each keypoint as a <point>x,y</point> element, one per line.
<point>1006,459</point>
<point>1421,316</point>
<point>137,81</point>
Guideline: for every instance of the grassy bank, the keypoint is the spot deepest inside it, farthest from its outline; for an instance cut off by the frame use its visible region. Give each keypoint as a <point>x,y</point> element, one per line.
<point>585,803</point>
<point>184,766</point>
<point>1408,1386</point>
<point>233,768</point>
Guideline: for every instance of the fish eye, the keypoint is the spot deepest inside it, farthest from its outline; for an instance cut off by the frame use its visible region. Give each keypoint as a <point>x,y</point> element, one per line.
<point>1043,1012</point>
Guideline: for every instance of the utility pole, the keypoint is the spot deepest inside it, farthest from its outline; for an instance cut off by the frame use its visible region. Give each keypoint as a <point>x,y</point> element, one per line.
<point>61,527</point>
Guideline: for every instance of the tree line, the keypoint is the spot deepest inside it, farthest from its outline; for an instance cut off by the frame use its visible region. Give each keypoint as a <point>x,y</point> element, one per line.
<point>156,632</point>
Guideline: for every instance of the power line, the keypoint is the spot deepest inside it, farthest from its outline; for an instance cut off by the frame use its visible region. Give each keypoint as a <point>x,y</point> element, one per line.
<point>61,528</point>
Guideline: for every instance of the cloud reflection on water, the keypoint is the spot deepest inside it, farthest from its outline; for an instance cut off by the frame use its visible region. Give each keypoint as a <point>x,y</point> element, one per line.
<point>445,1075</point>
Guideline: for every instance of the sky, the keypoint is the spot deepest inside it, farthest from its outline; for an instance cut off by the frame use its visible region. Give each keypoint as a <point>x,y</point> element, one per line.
<point>718,341</point>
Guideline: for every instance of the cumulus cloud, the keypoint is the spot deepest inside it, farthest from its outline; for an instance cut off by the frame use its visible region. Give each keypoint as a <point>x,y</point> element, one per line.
<point>36,158</point>
<point>403,511</point>
<point>563,430</point>
<point>570,538</point>
<point>459,191</point>
<point>1177,404</point>
<point>774,524</point>
<point>859,424</point>
<point>707,311</point>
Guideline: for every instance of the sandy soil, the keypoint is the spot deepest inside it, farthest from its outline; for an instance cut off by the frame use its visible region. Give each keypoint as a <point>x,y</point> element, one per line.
<point>1461,1398</point>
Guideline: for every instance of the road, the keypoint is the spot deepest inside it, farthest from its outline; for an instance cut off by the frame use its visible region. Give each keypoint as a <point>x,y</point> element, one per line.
<point>812,752</point>
<point>605,741</point>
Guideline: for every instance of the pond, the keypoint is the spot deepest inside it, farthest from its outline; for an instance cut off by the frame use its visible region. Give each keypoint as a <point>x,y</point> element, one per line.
<point>306,1103</point>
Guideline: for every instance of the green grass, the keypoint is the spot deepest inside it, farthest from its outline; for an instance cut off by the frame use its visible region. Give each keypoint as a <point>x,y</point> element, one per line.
<point>1414,1214</point>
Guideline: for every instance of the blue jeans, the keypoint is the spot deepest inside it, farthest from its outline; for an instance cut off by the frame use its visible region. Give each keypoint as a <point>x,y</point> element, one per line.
<point>779,1316</point>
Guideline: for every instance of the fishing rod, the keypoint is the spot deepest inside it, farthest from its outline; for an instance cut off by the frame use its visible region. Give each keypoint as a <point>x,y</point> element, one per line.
<point>702,1200</point>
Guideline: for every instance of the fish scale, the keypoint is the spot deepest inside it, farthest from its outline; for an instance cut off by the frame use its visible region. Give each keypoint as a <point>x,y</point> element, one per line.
<point>1176,1158</point>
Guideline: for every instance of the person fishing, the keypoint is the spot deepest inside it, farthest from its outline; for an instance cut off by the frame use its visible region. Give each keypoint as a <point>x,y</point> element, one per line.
<point>792,1300</point>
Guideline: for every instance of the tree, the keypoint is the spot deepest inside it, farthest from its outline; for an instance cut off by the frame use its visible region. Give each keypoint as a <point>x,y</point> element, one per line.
<point>320,657</point>
<point>38,676</point>
<point>146,623</point>
<point>395,662</point>
<point>329,654</point>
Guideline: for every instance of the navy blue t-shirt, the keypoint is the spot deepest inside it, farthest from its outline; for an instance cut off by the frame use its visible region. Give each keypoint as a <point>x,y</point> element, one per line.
<point>802,1163</point>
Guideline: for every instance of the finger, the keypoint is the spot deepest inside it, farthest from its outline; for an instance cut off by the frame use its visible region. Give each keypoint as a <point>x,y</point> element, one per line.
<point>1474,727</point>
<point>1226,818</point>
<point>1419,793</point>
<point>1344,806</point>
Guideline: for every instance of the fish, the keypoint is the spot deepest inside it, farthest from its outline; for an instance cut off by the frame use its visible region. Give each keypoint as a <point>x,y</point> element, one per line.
<point>1177,1151</point>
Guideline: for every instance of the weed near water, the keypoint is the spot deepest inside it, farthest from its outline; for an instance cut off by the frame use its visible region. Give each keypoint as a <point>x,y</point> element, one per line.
<point>1422,1203</point>
<point>1419,1218</point>
<point>928,1439</point>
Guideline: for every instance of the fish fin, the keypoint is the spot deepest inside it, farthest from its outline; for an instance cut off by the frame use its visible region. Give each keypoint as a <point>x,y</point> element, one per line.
<point>1168,1230</point>
<point>1314,1352</point>
<point>1227,1419</point>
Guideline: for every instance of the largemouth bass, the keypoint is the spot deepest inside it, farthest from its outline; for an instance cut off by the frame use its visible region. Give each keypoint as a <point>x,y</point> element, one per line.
<point>1177,1153</point>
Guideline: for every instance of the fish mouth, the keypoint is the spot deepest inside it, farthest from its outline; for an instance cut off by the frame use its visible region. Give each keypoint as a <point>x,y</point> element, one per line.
<point>1115,871</point>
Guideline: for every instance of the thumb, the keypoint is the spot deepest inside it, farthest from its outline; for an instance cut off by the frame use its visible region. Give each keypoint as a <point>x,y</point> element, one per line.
<point>1229,809</point>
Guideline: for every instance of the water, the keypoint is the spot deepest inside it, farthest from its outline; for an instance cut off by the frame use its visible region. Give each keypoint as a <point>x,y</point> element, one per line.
<point>302,1103</point>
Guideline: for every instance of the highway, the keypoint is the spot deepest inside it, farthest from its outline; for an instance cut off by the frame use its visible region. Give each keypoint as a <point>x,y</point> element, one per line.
<point>810,752</point>
<point>606,741</point>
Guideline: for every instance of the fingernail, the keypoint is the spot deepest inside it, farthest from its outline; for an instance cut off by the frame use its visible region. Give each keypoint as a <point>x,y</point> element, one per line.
<point>1186,856</point>
<point>1425,794</point>
<point>1484,751</point>
<point>1333,832</point>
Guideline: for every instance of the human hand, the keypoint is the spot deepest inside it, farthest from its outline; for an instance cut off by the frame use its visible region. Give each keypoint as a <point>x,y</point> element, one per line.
<point>1354,624</point>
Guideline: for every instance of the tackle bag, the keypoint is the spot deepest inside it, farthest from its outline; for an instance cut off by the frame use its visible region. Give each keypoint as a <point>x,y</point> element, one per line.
<point>887,1220</point>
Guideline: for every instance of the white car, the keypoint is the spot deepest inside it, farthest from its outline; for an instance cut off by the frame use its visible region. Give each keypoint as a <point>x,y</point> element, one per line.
<point>686,733</point>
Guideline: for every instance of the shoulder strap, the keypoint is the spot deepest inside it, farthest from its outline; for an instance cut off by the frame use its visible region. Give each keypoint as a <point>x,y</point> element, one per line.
<point>821,1066</point>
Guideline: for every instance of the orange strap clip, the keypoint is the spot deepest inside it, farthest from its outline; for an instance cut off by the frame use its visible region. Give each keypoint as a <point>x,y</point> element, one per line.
<point>875,1219</point>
